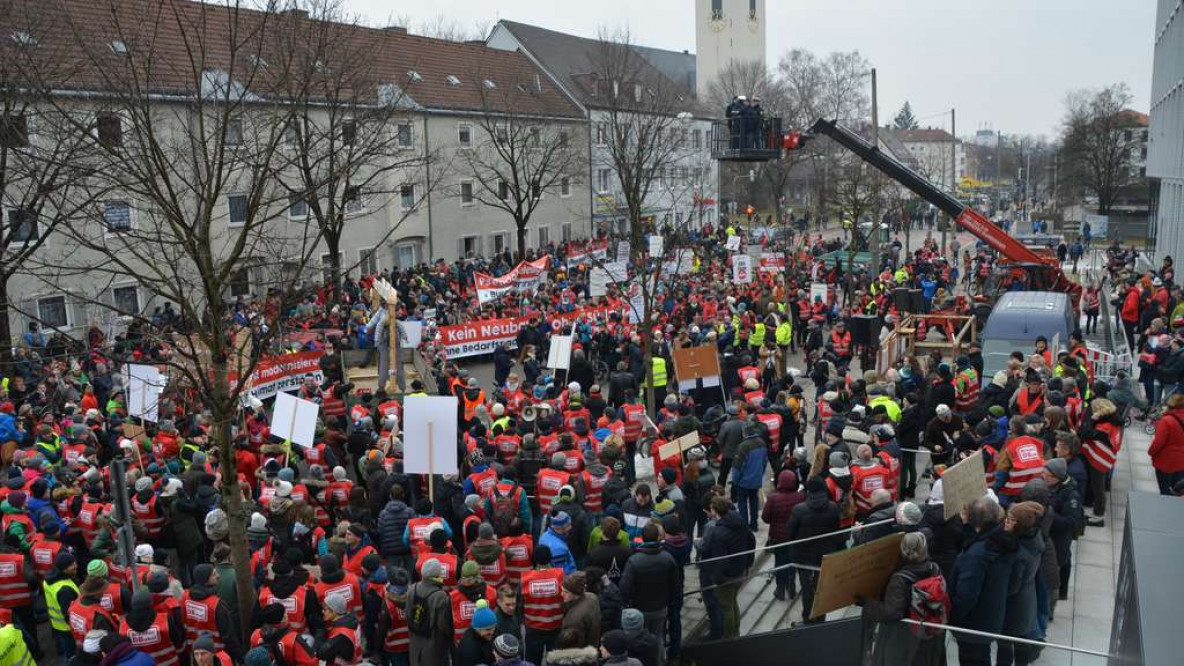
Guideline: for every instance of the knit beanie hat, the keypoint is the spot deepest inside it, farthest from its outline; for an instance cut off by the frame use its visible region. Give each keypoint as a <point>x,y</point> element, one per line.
<point>506,646</point>
<point>632,619</point>
<point>484,618</point>
<point>470,570</point>
<point>1025,515</point>
<point>258,656</point>
<point>575,582</point>
<point>96,569</point>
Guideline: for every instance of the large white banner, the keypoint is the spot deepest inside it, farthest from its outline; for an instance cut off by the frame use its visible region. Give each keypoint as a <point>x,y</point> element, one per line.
<point>525,277</point>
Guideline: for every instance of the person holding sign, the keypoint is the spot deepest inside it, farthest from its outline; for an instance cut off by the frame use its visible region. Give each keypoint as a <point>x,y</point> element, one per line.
<point>899,644</point>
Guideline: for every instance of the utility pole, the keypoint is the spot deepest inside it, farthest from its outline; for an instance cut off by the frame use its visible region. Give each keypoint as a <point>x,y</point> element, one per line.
<point>953,178</point>
<point>875,114</point>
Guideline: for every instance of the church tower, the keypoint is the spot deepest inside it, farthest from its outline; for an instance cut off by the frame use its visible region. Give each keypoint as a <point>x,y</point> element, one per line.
<point>726,31</point>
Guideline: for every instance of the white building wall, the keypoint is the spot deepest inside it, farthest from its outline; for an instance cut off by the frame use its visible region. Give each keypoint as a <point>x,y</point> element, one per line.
<point>1165,154</point>
<point>933,157</point>
<point>726,31</point>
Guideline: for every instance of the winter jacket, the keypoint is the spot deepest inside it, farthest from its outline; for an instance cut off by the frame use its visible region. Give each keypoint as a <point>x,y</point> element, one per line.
<point>583,614</point>
<point>912,424</point>
<point>731,433</point>
<point>896,643</point>
<point>817,515</point>
<point>878,513</point>
<point>780,504</point>
<point>635,516</point>
<point>9,429</point>
<point>1020,618</point>
<point>392,522</point>
<point>584,656</point>
<point>748,470</point>
<point>561,557</point>
<point>729,534</point>
<point>433,648</point>
<point>643,646</point>
<point>1167,446</point>
<point>1068,518</point>
<point>980,583</point>
<point>125,654</point>
<point>473,650</point>
<point>947,536</point>
<point>651,579</point>
<point>610,556</point>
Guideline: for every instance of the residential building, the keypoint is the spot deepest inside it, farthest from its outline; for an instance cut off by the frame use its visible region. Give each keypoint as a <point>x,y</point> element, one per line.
<point>933,150</point>
<point>1165,155</point>
<point>727,31</point>
<point>687,189</point>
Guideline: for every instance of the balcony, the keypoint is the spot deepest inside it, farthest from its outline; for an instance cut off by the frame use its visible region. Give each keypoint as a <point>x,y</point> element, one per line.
<point>733,140</point>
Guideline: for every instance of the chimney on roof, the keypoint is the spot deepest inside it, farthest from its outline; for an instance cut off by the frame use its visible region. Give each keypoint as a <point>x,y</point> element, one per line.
<point>686,52</point>
<point>397,29</point>
<point>297,13</point>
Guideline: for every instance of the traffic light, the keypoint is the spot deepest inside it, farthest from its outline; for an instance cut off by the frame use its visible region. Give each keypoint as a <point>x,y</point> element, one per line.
<point>794,140</point>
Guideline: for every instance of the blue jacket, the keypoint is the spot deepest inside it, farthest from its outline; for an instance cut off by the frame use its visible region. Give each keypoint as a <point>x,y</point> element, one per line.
<point>748,470</point>
<point>560,554</point>
<point>9,430</point>
<point>979,583</point>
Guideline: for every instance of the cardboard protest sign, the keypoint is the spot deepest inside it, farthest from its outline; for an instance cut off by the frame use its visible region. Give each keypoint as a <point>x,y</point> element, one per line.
<point>410,333</point>
<point>429,435</point>
<point>742,269</point>
<point>817,290</point>
<point>733,243</point>
<point>677,446</point>
<point>963,483</point>
<point>295,419</point>
<point>696,362</point>
<point>623,250</point>
<point>144,385</point>
<point>131,431</point>
<point>559,355</point>
<point>657,245</point>
<point>859,571</point>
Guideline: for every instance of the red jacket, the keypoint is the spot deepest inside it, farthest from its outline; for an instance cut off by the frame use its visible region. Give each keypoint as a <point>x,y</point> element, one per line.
<point>780,504</point>
<point>1167,446</point>
<point>1130,306</point>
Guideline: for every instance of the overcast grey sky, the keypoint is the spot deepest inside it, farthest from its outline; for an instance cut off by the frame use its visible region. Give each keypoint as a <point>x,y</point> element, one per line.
<point>1006,64</point>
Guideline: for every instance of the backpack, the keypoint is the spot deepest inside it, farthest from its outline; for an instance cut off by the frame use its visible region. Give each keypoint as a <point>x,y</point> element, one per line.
<point>734,567</point>
<point>929,602</point>
<point>419,617</point>
<point>505,510</point>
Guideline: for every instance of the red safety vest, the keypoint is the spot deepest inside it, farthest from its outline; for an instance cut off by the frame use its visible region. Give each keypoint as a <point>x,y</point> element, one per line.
<point>867,479</point>
<point>547,487</point>
<point>112,599</point>
<point>339,492</point>
<point>1027,463</point>
<point>772,421</point>
<point>420,529</point>
<point>287,648</point>
<point>355,636</point>
<point>23,519</point>
<point>967,390</point>
<point>293,606</point>
<point>397,640</point>
<point>519,552</point>
<point>483,481</point>
<point>634,416</point>
<point>1102,452</point>
<point>82,619</point>
<point>353,563</point>
<point>542,600</point>
<point>42,554</point>
<point>88,520</point>
<point>1027,404</point>
<point>348,589</point>
<point>842,343</point>
<point>154,640</point>
<point>447,562</point>
<point>463,609</point>
<point>594,490</point>
<point>989,459</point>
<point>572,415</point>
<point>748,372</point>
<point>507,447</point>
<point>14,589</point>
<point>754,398</point>
<point>314,455</point>
<point>332,405</point>
<point>146,514</point>
<point>893,467</point>
<point>200,617</point>
<point>494,573</point>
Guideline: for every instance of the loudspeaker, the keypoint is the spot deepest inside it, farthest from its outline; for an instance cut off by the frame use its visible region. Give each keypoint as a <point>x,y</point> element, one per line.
<point>916,301</point>
<point>865,330</point>
<point>900,296</point>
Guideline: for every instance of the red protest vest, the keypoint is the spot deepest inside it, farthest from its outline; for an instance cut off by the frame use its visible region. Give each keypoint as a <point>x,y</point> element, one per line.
<point>542,600</point>
<point>634,415</point>
<point>419,529</point>
<point>519,552</point>
<point>154,640</point>
<point>1027,404</point>
<point>447,562</point>
<point>42,553</point>
<point>867,479</point>
<point>353,563</point>
<point>1027,463</point>
<point>200,617</point>
<point>14,589</point>
<point>494,573</point>
<point>483,481</point>
<point>594,490</point>
<point>287,648</point>
<point>1102,452</point>
<point>293,607</point>
<point>772,421</point>
<point>547,487</point>
<point>347,589</point>
<point>967,390</point>
<point>397,640</point>
<point>82,619</point>
<point>146,514</point>
<point>842,343</point>
<point>463,609</point>
<point>355,636</point>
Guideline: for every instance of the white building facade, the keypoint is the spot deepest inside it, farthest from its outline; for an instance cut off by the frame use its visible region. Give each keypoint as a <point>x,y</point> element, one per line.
<point>727,31</point>
<point>1165,154</point>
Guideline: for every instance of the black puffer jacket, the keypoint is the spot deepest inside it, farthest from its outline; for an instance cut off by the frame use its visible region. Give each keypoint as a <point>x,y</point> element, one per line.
<point>651,579</point>
<point>817,515</point>
<point>392,522</point>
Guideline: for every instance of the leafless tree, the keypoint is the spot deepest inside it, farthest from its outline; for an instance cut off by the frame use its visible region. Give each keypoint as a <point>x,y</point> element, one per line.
<point>1101,138</point>
<point>190,112</point>
<point>519,157</point>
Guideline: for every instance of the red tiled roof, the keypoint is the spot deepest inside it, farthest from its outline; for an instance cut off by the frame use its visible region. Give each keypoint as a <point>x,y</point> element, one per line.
<point>176,40</point>
<point>1138,117</point>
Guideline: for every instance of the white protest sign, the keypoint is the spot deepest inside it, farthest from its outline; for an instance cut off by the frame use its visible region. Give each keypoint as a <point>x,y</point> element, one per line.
<point>295,419</point>
<point>733,243</point>
<point>144,386</point>
<point>410,333</point>
<point>741,269</point>
<point>559,356</point>
<point>429,435</point>
<point>657,245</point>
<point>636,303</point>
<point>623,250</point>
<point>817,290</point>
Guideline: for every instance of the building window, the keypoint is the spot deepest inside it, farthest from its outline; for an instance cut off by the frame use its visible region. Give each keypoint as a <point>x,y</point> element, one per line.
<point>696,139</point>
<point>717,10</point>
<point>616,89</point>
<point>297,206</point>
<point>14,131</point>
<point>751,9</point>
<point>353,199</point>
<point>407,196</point>
<point>238,208</point>
<point>240,282</point>
<point>595,86</point>
<point>503,190</point>
<point>126,300</point>
<point>117,216</point>
<point>544,233</point>
<point>292,135</point>
<point>404,135</point>
<point>464,136</point>
<point>565,187</point>
<point>405,255</point>
<point>500,240</point>
<point>684,174</point>
<point>51,310</point>
<point>349,132</point>
<point>502,134</point>
<point>22,226</point>
<point>563,139</point>
<point>466,193</point>
<point>327,266</point>
<point>636,92</point>
<point>601,134</point>
<point>602,180</point>
<point>470,246</point>
<point>534,136</point>
<point>234,133</point>
<point>368,262</point>
<point>536,189</point>
<point>109,129</point>
<point>565,232</point>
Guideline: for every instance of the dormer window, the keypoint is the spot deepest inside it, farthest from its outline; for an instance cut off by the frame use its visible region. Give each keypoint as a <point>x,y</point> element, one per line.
<point>23,38</point>
<point>490,84</point>
<point>452,80</point>
<point>119,47</point>
<point>717,10</point>
<point>320,67</point>
<point>257,61</point>
<point>414,75</point>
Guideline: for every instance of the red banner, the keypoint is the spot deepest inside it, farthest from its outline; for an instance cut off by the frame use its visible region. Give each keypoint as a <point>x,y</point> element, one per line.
<point>526,276</point>
<point>482,337</point>
<point>274,374</point>
<point>772,262</point>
